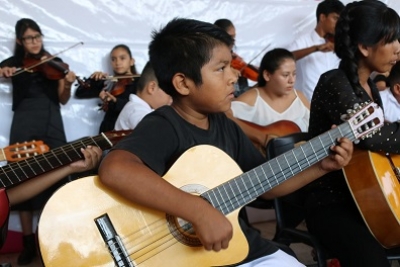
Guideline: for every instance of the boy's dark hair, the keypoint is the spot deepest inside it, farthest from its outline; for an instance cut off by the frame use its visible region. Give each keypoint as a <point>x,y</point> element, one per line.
<point>271,62</point>
<point>147,76</point>
<point>184,46</point>
<point>394,76</point>
<point>363,23</point>
<point>224,24</point>
<point>327,7</point>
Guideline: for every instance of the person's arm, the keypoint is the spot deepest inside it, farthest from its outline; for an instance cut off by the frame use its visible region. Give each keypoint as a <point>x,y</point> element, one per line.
<point>64,87</point>
<point>91,87</point>
<point>127,175</point>
<point>340,157</point>
<point>326,47</point>
<point>36,185</point>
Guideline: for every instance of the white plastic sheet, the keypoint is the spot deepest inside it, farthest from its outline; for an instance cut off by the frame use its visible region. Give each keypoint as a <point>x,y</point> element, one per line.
<point>102,24</point>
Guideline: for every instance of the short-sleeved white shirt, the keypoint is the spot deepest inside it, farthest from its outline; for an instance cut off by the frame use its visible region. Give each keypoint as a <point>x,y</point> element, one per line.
<point>310,68</point>
<point>390,105</point>
<point>132,113</point>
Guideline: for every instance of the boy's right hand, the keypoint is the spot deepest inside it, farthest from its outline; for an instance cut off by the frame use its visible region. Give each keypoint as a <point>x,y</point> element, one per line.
<point>212,228</point>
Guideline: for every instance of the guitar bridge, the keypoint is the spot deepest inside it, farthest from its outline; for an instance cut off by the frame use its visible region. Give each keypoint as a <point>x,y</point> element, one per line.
<point>113,242</point>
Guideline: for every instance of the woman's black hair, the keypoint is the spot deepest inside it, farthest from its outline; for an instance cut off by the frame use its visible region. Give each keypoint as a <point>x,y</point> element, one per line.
<point>367,23</point>
<point>271,62</point>
<point>20,28</point>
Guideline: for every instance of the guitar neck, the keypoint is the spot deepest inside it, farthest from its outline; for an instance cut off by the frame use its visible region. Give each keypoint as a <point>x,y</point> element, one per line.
<point>244,188</point>
<point>17,172</point>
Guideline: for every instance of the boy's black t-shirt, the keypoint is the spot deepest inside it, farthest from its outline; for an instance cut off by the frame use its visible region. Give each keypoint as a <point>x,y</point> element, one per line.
<point>163,136</point>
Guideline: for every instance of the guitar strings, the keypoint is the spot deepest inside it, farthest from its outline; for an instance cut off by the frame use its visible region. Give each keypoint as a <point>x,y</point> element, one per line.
<point>9,170</point>
<point>167,236</point>
<point>280,176</point>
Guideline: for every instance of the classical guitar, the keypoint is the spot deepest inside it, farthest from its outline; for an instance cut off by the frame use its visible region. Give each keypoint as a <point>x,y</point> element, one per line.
<point>18,172</point>
<point>20,151</point>
<point>373,179</point>
<point>257,132</point>
<point>86,224</point>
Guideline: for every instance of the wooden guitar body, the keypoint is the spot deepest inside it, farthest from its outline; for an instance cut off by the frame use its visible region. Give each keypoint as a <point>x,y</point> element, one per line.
<point>68,235</point>
<point>86,224</point>
<point>374,185</point>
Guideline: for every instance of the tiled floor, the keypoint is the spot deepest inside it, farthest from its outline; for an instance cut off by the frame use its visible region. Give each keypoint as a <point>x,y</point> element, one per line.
<point>267,229</point>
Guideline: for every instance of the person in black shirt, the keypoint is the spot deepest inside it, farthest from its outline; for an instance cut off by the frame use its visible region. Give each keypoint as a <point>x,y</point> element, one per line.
<point>366,40</point>
<point>113,94</point>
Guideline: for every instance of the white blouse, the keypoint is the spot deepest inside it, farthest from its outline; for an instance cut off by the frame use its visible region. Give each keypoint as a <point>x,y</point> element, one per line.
<point>262,113</point>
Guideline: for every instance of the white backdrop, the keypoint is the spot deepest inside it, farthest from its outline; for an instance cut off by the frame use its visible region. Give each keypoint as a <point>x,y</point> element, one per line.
<point>102,24</point>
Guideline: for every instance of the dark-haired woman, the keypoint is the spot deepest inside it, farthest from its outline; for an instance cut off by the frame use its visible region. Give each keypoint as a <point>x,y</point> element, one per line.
<point>366,40</point>
<point>36,106</point>
<point>274,99</point>
<point>123,64</point>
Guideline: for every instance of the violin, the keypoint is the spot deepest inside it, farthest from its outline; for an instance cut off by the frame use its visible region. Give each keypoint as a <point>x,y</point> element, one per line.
<point>115,89</point>
<point>246,70</point>
<point>52,69</point>
<point>45,63</point>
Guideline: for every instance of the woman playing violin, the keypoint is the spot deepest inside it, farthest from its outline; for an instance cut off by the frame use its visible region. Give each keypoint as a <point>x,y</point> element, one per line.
<point>113,94</point>
<point>36,106</point>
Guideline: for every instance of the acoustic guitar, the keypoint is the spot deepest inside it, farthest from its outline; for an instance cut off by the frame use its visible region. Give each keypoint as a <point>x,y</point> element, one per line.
<point>86,224</point>
<point>373,179</point>
<point>18,172</point>
<point>20,151</point>
<point>266,133</point>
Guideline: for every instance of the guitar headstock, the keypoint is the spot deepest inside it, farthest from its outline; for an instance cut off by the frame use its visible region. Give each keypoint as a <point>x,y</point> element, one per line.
<point>20,151</point>
<point>115,136</point>
<point>365,119</point>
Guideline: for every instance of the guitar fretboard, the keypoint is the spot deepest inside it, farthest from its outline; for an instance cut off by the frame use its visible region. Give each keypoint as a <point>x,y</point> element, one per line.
<point>244,188</point>
<point>17,172</point>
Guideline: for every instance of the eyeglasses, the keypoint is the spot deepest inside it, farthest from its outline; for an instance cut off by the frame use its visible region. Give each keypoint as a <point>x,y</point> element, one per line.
<point>30,39</point>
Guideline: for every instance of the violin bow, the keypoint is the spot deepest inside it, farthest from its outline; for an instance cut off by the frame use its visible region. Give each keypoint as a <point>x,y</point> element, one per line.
<point>256,56</point>
<point>115,78</point>
<point>21,70</point>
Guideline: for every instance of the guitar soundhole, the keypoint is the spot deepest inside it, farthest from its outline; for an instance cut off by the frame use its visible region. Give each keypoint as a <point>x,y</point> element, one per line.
<point>183,231</point>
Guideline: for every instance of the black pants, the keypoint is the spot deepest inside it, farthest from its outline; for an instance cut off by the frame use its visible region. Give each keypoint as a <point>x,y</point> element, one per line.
<point>342,231</point>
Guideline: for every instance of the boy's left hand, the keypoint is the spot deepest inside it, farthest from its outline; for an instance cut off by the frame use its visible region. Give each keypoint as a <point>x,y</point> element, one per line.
<point>340,156</point>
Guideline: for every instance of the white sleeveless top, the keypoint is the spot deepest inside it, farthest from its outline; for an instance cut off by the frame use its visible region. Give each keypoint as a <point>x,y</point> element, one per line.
<point>262,113</point>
